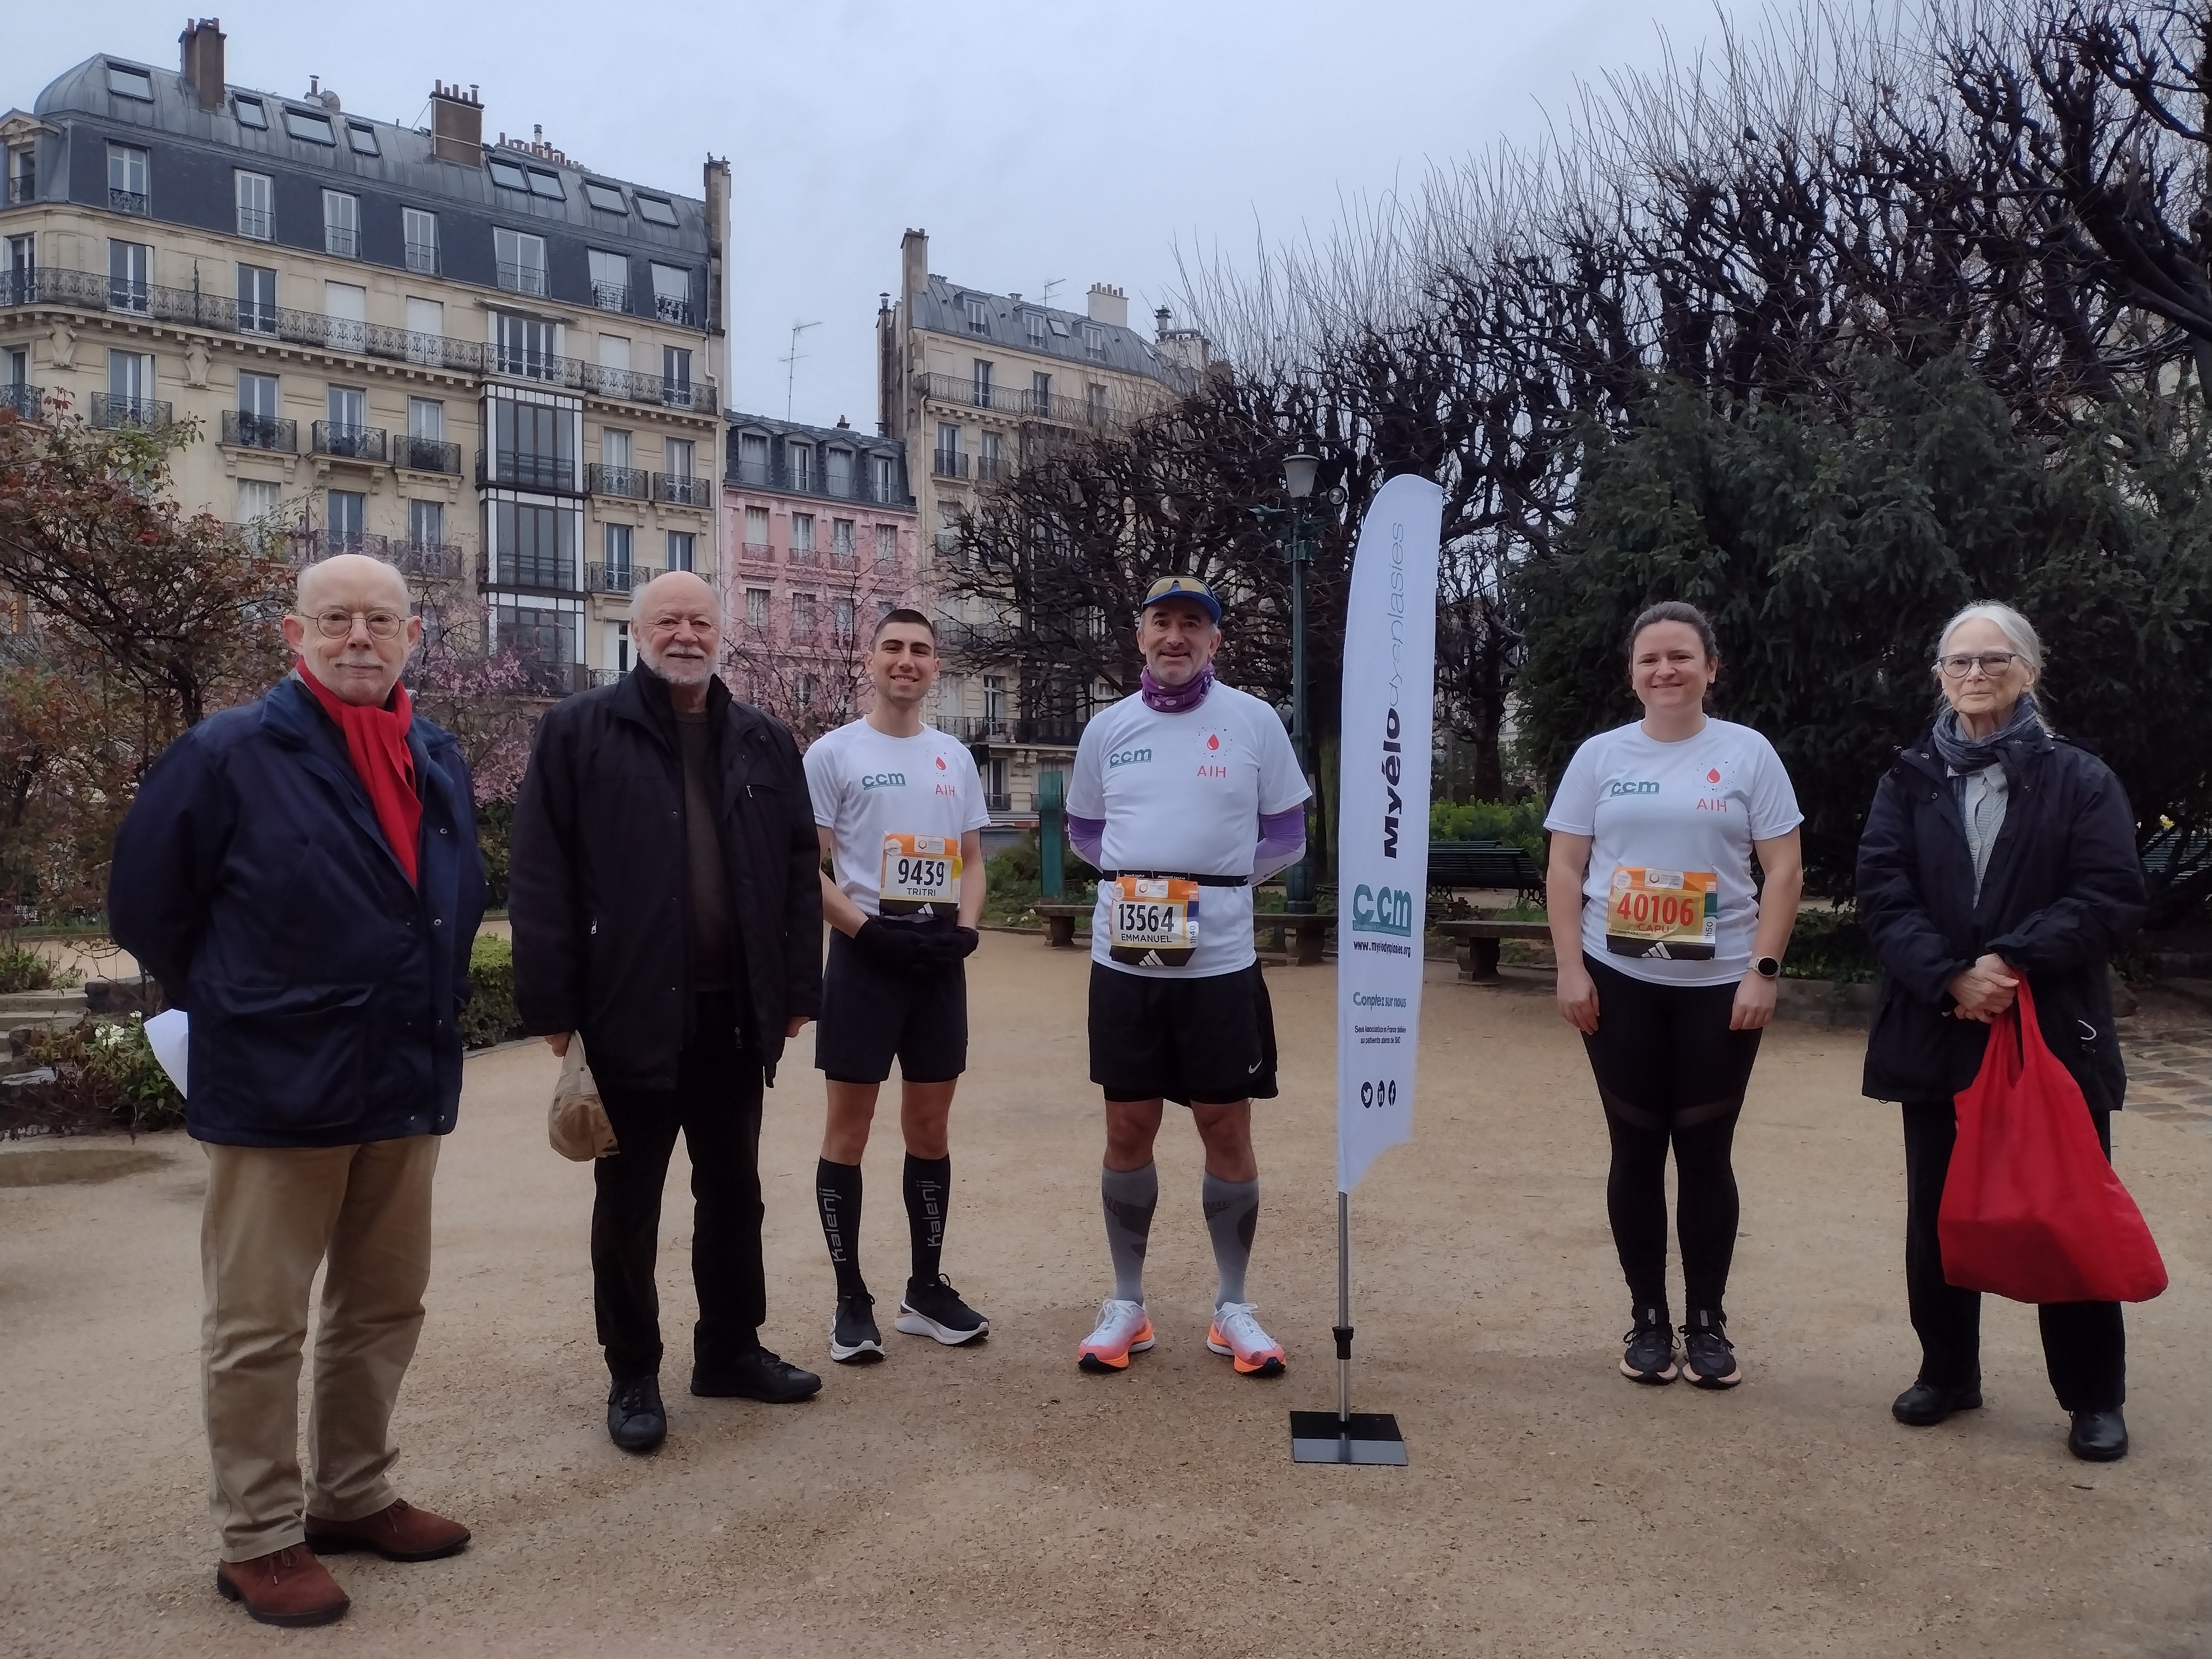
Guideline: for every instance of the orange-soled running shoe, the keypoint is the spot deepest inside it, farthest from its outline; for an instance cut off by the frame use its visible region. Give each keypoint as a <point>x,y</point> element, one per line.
<point>1124,1328</point>
<point>1237,1336</point>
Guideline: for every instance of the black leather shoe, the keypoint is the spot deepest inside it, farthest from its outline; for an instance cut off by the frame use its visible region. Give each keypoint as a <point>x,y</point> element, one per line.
<point>2098,1436</point>
<point>1924,1405</point>
<point>759,1375</point>
<point>637,1420</point>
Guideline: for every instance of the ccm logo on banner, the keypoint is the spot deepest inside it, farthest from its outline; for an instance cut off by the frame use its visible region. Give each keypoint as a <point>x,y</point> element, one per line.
<point>1381,910</point>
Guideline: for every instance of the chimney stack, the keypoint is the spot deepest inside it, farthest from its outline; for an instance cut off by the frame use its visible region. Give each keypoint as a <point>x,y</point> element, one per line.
<point>913,261</point>
<point>201,49</point>
<point>456,124</point>
<point>1109,304</point>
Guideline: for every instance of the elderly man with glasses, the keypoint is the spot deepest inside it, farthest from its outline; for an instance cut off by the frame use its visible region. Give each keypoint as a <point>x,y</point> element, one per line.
<point>300,873</point>
<point>667,905</point>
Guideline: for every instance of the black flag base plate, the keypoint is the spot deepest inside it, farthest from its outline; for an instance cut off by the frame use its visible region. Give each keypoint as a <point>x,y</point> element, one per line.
<point>1365,1437</point>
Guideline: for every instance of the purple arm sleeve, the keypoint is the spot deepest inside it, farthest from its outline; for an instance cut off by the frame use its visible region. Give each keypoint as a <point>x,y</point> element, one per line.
<point>1282,841</point>
<point>1086,834</point>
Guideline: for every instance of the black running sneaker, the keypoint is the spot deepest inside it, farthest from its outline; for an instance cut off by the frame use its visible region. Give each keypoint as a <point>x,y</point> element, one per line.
<point>936,1310</point>
<point>853,1338</point>
<point>1708,1357</point>
<point>1649,1357</point>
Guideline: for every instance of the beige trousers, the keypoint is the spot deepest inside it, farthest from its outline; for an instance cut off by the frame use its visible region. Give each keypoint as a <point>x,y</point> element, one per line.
<point>274,1215</point>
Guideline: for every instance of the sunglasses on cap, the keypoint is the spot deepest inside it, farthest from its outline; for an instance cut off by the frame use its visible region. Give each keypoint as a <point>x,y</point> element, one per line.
<point>1184,588</point>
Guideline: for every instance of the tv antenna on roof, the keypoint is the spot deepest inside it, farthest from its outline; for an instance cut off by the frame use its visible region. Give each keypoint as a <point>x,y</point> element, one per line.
<point>1057,281</point>
<point>791,362</point>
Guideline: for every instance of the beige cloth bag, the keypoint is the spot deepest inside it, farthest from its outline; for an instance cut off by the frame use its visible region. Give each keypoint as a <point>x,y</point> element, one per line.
<point>576,1123</point>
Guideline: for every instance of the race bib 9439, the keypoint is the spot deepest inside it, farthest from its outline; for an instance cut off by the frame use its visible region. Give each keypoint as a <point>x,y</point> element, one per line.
<point>1662,913</point>
<point>919,872</point>
<point>1152,920</point>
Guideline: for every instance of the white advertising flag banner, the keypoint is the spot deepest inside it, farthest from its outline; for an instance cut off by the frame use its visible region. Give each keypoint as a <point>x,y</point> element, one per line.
<point>1382,827</point>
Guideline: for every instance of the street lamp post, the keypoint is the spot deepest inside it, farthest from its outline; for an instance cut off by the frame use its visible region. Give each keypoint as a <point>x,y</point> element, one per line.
<point>1299,471</point>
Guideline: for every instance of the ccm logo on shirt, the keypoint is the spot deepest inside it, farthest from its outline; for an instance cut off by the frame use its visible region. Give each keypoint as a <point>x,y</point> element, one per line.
<point>1620,788</point>
<point>883,779</point>
<point>1128,757</point>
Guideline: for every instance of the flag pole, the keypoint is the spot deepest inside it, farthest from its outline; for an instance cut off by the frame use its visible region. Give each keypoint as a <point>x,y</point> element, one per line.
<point>1345,1436</point>
<point>1343,1331</point>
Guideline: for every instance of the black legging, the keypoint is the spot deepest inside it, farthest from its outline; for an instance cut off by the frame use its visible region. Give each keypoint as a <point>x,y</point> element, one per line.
<point>1670,1072</point>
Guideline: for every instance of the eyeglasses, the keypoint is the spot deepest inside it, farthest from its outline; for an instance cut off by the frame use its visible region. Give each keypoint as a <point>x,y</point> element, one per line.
<point>1993,663</point>
<point>335,624</point>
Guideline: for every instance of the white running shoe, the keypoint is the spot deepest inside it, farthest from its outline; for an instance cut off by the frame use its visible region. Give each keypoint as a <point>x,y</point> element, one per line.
<point>1237,1336</point>
<point>1124,1328</point>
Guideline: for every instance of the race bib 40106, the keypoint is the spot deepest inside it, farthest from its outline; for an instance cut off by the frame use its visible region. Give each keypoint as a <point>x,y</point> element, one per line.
<point>919,872</point>
<point>1663,912</point>
<point>1151,921</point>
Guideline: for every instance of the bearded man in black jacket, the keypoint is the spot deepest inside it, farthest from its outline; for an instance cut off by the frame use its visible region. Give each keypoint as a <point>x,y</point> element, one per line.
<point>667,905</point>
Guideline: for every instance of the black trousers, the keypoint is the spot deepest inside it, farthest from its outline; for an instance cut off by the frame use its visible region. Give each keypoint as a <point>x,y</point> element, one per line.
<point>2085,1345</point>
<point>716,1102</point>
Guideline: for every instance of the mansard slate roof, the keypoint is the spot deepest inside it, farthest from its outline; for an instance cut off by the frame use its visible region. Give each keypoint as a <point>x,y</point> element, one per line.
<point>776,427</point>
<point>942,306</point>
<point>405,166</point>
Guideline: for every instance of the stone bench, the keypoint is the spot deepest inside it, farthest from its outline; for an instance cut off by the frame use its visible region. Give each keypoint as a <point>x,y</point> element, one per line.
<point>1477,942</point>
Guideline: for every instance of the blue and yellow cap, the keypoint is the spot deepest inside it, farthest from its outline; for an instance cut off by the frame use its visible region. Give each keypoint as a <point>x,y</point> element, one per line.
<point>1184,588</point>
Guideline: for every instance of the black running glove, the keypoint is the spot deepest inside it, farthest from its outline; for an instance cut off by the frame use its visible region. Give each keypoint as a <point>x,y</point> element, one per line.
<point>902,948</point>
<point>956,945</point>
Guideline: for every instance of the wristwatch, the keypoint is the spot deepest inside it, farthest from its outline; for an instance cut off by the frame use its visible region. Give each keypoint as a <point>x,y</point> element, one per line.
<point>1767,967</point>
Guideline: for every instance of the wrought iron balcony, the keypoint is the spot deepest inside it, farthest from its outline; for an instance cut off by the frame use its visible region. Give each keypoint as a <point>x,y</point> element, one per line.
<point>192,308</point>
<point>844,559</point>
<point>989,469</point>
<point>116,413</point>
<point>343,240</point>
<point>610,297</point>
<point>246,430</point>
<point>756,552</point>
<point>422,257</point>
<point>630,483</point>
<point>550,574</point>
<point>426,455</point>
<point>805,557</point>
<point>673,308</point>
<point>607,676</point>
<point>523,279</point>
<point>29,402</point>
<point>618,578</point>
<point>353,443</point>
<point>1047,731</point>
<point>965,393</point>
<point>998,803</point>
<point>948,463</point>
<point>521,469</point>
<point>128,201</point>
<point>257,223</point>
<point>683,488</point>
<point>431,560</point>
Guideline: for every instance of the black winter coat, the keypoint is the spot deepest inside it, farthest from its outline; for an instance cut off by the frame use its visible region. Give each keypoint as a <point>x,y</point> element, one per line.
<point>599,878</point>
<point>2064,888</point>
<point>252,879</point>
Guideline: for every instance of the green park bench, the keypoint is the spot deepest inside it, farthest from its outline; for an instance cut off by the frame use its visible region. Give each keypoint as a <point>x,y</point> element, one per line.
<point>1486,865</point>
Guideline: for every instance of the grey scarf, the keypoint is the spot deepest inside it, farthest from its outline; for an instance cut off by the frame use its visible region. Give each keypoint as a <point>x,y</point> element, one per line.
<point>1961,753</point>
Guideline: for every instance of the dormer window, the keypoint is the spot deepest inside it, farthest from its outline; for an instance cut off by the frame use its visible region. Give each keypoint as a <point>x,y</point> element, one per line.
<point>310,126</point>
<point>508,176</point>
<point>1094,342</point>
<point>250,113</point>
<point>547,185</point>
<point>979,315</point>
<point>127,82</point>
<point>605,197</point>
<point>654,211</point>
<point>362,139</point>
<point>1033,323</point>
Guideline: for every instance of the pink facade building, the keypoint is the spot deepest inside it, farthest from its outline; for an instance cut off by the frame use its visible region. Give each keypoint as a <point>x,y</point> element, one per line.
<point>818,543</point>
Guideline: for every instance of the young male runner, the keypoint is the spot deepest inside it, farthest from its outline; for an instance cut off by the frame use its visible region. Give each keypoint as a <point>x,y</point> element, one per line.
<point>900,810</point>
<point>1183,795</point>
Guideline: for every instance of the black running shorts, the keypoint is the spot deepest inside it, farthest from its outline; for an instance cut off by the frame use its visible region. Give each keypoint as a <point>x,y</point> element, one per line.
<point>1210,1040</point>
<point>872,1015</point>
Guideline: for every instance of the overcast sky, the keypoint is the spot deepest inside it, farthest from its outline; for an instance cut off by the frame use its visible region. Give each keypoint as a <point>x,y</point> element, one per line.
<point>1043,143</point>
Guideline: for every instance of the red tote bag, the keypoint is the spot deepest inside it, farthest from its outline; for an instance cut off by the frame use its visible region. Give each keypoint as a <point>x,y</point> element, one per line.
<point>2031,1209</point>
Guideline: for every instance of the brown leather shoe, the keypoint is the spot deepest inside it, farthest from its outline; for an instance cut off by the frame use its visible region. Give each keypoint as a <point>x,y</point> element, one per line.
<point>285,1586</point>
<point>397,1532</point>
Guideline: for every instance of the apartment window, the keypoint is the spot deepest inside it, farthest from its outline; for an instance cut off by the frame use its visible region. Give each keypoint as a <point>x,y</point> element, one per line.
<point>610,279</point>
<point>757,609</point>
<point>886,546</point>
<point>508,176</point>
<point>426,420</point>
<point>127,82</point>
<point>524,347</point>
<point>1094,403</point>
<point>884,609</point>
<point>753,458</point>
<point>802,532</point>
<point>344,517</point>
<point>547,185</point>
<point>250,113</point>
<point>536,545</point>
<point>987,458</point>
<point>22,176</point>
<point>672,294</point>
<point>521,260</point>
<point>802,616</point>
<point>605,198</point>
<point>614,352</point>
<point>342,224</point>
<point>1094,342</point>
<point>840,621</point>
<point>345,315</point>
<point>654,211</point>
<point>1041,395</point>
<point>255,195</point>
<point>361,140</point>
<point>757,529</point>
<point>533,445</point>
<point>349,408</point>
<point>952,698</point>
<point>948,450</point>
<point>979,315</point>
<point>617,542</point>
<point>615,448</point>
<point>841,543</point>
<point>681,544</point>
<point>886,478</point>
<point>257,396</point>
<point>995,698</point>
<point>420,231</point>
<point>682,456</point>
<point>800,459</point>
<point>16,363</point>
<point>259,500</point>
<point>426,524</point>
<point>129,275</point>
<point>309,124</point>
<point>257,300</point>
<point>676,376</point>
<point>126,179</point>
<point>982,383</point>
<point>618,651</point>
<point>837,470</point>
<point>1033,325</point>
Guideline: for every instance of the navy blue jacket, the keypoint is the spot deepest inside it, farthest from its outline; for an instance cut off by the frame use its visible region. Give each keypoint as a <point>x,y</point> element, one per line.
<point>2064,887</point>
<point>252,879</point>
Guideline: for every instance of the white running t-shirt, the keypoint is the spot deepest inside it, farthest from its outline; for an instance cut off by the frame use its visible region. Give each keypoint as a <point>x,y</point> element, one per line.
<point>1182,793</point>
<point>1668,896</point>
<point>896,809</point>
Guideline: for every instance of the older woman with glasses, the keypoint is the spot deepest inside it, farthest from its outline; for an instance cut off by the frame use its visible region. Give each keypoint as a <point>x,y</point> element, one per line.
<point>1995,850</point>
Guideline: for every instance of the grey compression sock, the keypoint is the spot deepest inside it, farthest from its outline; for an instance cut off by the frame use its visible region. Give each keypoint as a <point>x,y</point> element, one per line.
<point>1233,1212</point>
<point>1130,1197</point>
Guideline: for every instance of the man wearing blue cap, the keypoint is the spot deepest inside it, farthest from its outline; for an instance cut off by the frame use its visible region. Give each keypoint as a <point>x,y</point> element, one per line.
<point>1184,795</point>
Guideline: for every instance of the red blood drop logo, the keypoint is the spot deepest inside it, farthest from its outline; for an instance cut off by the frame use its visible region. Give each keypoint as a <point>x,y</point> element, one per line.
<point>940,765</point>
<point>1212,741</point>
<point>1711,776</point>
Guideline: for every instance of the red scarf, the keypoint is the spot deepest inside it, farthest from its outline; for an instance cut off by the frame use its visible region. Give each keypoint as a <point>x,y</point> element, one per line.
<point>376,739</point>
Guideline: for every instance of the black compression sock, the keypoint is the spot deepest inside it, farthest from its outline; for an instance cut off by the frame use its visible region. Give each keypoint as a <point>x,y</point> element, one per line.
<point>928,1187</point>
<point>837,1192</point>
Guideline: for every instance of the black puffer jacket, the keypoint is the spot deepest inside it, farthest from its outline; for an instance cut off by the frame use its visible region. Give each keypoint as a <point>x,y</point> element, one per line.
<point>597,882</point>
<point>2064,888</point>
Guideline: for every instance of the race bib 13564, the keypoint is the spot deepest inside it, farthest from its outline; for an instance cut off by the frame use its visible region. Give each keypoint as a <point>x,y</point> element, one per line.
<point>1151,921</point>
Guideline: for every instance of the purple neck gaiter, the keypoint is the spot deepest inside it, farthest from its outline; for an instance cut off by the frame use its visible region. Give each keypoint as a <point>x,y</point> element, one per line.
<point>1175,700</point>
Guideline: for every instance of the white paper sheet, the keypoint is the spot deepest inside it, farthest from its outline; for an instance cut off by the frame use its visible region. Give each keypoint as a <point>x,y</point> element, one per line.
<point>169,1032</point>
